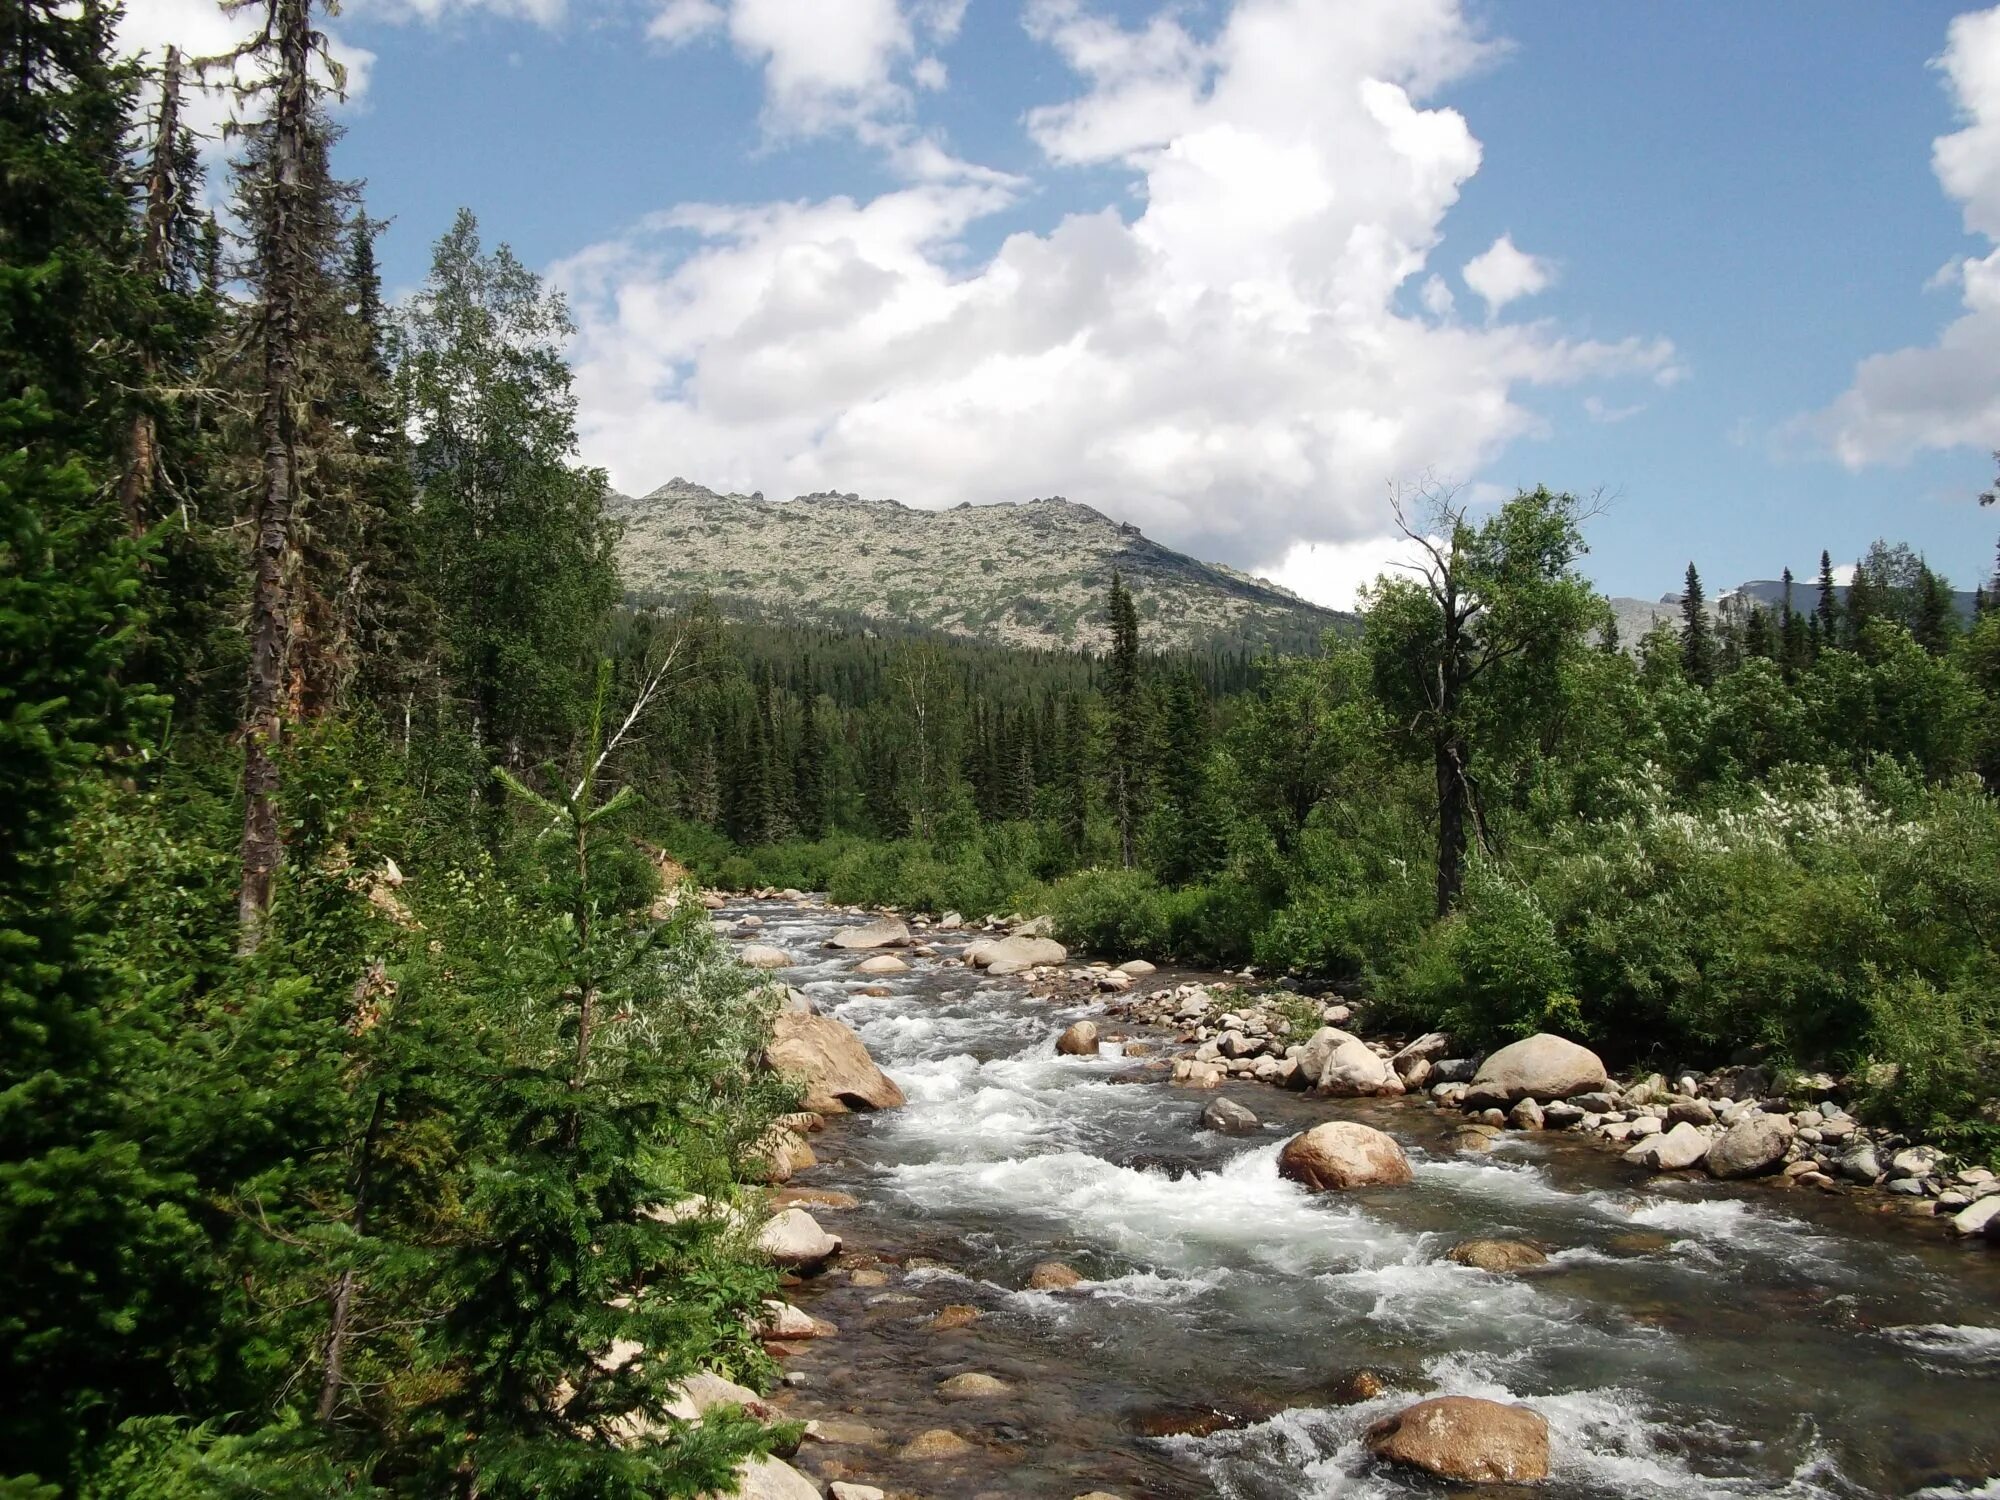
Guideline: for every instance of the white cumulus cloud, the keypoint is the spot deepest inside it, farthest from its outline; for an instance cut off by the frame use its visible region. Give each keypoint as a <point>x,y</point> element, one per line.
<point>1222,355</point>
<point>1501,273</point>
<point>1946,394</point>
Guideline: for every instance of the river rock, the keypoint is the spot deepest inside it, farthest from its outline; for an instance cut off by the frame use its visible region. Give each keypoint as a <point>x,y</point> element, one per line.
<point>1979,1217</point>
<point>793,1238</point>
<point>779,1153</point>
<point>1673,1151</point>
<point>764,956</point>
<point>1915,1161</point>
<point>1015,955</point>
<point>1753,1145</point>
<point>1053,1276</point>
<point>784,1321</point>
<point>1541,1067</point>
<point>939,1442</point>
<point>1527,1115</point>
<point>1227,1116</point>
<point>1342,1154</point>
<point>1430,1048</point>
<point>956,1315</point>
<point>1690,1112</point>
<point>973,1386</point>
<point>1465,1439</point>
<point>767,1478</point>
<point>1861,1165</point>
<point>1079,1039</point>
<point>1496,1255</point>
<point>828,1198</point>
<point>1353,1071</point>
<point>884,932</point>
<point>840,1489</point>
<point>882,963</point>
<point>1138,968</point>
<point>830,1062</point>
<point>1318,1048</point>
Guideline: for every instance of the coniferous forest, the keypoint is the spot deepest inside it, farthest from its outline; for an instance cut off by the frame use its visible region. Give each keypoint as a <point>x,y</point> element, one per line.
<point>350,1019</point>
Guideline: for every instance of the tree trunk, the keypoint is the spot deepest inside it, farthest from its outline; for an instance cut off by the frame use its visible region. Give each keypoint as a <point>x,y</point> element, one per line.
<point>142,455</point>
<point>1447,758</point>
<point>342,1296</point>
<point>282,252</point>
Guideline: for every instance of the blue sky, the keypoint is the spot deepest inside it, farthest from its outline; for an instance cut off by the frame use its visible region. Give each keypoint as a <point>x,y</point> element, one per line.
<point>1205,265</point>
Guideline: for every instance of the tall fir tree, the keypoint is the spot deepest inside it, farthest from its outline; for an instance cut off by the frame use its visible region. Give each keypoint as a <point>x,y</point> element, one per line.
<point>1827,611</point>
<point>1698,648</point>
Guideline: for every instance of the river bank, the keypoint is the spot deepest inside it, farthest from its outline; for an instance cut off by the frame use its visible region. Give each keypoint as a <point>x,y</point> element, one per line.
<point>1232,1335</point>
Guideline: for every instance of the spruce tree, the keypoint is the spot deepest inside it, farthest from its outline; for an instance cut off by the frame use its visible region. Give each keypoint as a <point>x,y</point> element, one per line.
<point>1759,640</point>
<point>1122,699</point>
<point>1073,776</point>
<point>1827,613</point>
<point>809,799</point>
<point>1793,652</point>
<point>1864,603</point>
<point>1936,625</point>
<point>285,201</point>
<point>1697,639</point>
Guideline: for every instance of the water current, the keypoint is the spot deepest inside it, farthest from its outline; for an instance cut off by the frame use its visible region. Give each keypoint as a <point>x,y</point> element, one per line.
<point>1689,1338</point>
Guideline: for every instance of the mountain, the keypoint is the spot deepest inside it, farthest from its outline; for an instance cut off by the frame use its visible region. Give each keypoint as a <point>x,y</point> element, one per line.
<point>1031,574</point>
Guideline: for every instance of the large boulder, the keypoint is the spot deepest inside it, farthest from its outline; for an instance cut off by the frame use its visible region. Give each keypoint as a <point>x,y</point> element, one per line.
<point>1353,1071</point>
<point>1541,1067</point>
<point>1137,968</point>
<point>1015,955</point>
<point>793,1239</point>
<point>1672,1151</point>
<point>1979,1217</point>
<point>882,963</point>
<point>1079,1039</point>
<point>1318,1048</point>
<point>764,956</point>
<point>1466,1440</point>
<point>1342,1154</point>
<point>883,932</point>
<point>1497,1255</point>
<point>830,1063</point>
<point>1231,1118</point>
<point>1754,1145</point>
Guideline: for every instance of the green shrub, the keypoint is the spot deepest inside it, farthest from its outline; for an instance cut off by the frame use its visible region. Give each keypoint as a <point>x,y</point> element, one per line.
<point>1214,923</point>
<point>1110,912</point>
<point>1493,971</point>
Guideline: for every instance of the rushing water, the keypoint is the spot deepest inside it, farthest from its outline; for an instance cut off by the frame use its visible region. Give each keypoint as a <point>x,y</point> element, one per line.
<point>1688,1339</point>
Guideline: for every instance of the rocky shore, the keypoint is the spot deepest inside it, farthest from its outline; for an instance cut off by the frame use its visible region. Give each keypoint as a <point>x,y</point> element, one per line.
<point>1737,1122</point>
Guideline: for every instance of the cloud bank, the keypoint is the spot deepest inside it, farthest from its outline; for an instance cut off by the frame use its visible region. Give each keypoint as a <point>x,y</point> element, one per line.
<point>1238,353</point>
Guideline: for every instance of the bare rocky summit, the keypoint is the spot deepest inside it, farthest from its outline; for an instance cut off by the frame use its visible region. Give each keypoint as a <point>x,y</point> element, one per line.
<point>1031,575</point>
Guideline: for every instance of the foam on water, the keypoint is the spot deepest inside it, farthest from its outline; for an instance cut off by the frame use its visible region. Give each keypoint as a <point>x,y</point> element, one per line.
<point>1963,1344</point>
<point>1243,1214</point>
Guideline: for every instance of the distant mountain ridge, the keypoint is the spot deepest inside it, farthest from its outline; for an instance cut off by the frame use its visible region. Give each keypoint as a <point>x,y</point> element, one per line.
<point>1636,616</point>
<point>1032,574</point>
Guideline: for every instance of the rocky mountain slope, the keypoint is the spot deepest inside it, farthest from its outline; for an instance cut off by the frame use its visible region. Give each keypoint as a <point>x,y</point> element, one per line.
<point>1031,575</point>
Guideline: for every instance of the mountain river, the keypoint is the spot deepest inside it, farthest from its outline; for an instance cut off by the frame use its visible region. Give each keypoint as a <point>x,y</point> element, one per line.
<point>1689,1338</point>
